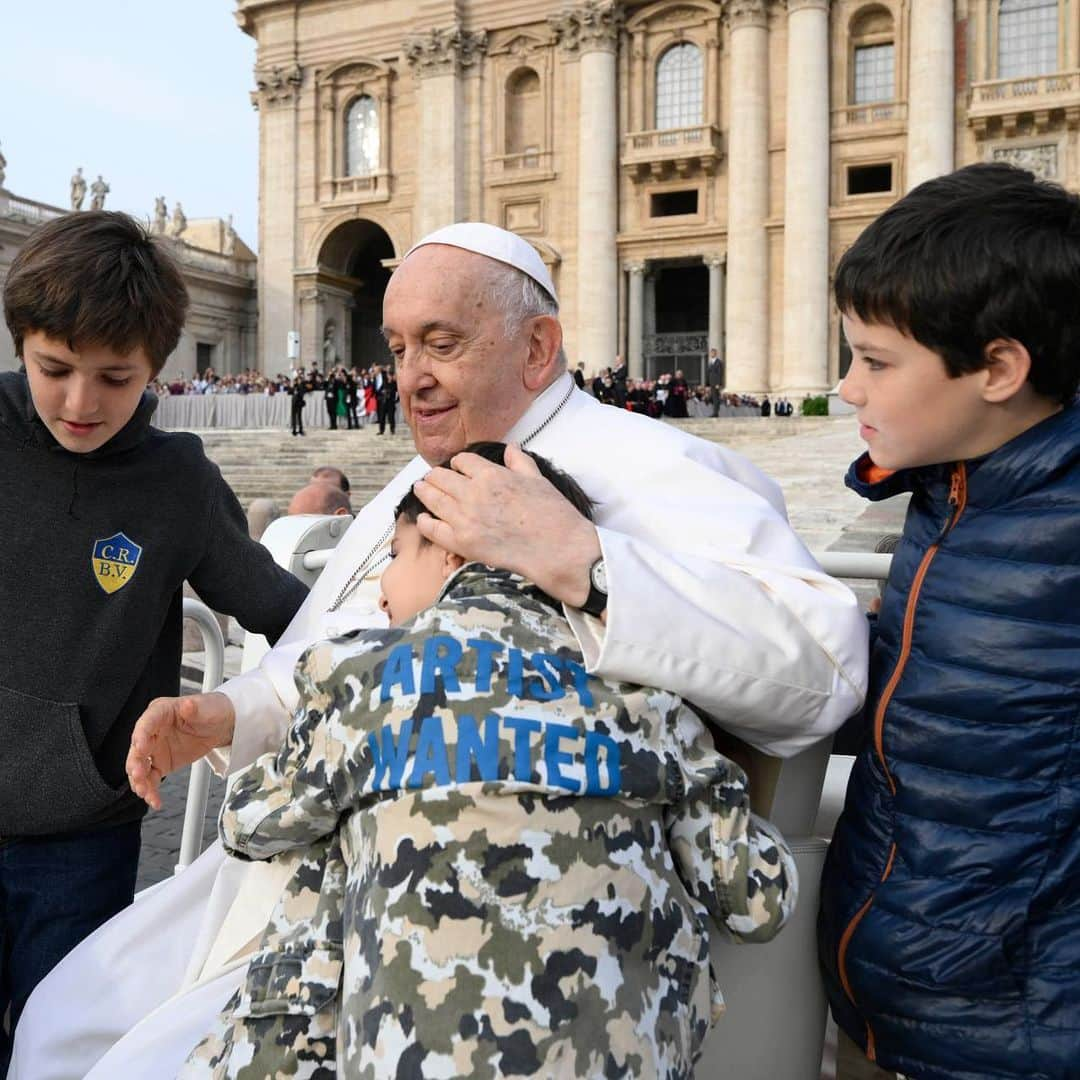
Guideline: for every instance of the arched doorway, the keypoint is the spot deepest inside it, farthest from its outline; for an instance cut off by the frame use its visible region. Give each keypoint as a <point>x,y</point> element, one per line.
<point>352,281</point>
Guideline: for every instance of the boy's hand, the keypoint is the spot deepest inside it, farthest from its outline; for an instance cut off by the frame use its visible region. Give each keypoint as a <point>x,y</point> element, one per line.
<point>172,733</point>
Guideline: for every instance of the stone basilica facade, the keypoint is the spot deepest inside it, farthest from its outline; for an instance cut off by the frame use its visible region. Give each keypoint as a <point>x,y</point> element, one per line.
<point>690,170</point>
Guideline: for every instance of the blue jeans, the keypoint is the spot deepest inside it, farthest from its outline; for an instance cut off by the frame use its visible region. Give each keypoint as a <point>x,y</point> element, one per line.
<point>55,891</point>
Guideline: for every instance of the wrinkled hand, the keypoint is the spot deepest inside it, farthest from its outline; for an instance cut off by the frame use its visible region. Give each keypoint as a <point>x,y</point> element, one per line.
<point>172,733</point>
<point>512,519</point>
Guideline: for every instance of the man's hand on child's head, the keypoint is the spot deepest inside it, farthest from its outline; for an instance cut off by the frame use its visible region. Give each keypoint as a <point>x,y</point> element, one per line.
<point>511,518</point>
<point>172,733</point>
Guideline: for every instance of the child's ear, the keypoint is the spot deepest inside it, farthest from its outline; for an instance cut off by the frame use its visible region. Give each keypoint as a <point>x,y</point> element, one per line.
<point>451,563</point>
<point>1008,364</point>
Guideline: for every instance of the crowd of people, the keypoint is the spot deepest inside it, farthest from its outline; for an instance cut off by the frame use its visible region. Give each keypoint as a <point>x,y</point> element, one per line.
<point>353,397</point>
<point>671,394</point>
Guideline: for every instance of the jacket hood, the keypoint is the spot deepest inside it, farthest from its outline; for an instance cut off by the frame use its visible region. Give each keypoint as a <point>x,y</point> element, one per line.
<point>20,418</point>
<point>1021,464</point>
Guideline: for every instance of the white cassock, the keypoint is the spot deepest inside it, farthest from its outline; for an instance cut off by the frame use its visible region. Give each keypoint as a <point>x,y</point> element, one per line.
<point>711,596</point>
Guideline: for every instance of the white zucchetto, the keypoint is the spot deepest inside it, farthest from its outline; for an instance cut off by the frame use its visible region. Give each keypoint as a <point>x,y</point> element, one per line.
<point>498,244</point>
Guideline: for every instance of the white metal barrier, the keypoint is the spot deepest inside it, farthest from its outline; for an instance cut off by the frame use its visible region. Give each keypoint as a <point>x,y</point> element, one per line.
<point>199,778</point>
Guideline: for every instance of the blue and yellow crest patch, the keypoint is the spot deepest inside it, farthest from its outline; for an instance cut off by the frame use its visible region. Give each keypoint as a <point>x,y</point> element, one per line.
<point>115,561</point>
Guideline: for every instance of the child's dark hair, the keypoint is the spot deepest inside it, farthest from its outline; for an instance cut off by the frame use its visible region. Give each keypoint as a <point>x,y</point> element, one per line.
<point>986,252</point>
<point>97,278</point>
<point>411,507</point>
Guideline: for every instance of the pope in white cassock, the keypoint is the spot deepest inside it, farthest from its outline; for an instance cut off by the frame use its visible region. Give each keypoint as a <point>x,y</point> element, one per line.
<point>693,577</point>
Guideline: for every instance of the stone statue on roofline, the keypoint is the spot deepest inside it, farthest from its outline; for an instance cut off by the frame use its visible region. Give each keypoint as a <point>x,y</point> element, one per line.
<point>229,245</point>
<point>179,221</point>
<point>3,165</point>
<point>78,189</point>
<point>98,190</point>
<point>161,215</point>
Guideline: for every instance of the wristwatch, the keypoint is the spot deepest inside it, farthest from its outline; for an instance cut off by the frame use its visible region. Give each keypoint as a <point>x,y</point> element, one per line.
<point>596,602</point>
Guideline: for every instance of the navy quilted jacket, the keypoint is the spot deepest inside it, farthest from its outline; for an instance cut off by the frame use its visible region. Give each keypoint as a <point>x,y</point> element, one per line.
<point>950,921</point>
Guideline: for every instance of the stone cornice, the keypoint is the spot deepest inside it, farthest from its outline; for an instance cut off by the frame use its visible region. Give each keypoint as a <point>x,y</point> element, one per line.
<point>444,51</point>
<point>276,85</point>
<point>740,13</point>
<point>593,26</point>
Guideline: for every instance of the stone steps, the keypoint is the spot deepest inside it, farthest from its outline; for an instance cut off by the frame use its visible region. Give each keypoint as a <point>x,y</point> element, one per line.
<point>274,464</point>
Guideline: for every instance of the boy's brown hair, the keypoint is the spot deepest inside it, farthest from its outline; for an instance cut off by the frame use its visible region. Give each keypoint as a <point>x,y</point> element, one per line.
<point>97,278</point>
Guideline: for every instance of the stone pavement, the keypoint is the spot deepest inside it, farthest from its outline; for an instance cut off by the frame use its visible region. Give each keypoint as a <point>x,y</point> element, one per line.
<point>807,456</point>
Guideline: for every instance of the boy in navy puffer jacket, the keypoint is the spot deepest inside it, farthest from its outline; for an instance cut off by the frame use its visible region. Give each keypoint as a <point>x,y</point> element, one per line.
<point>950,920</point>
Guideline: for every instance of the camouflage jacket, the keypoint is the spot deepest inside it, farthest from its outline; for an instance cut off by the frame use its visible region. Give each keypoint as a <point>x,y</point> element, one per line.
<point>531,860</point>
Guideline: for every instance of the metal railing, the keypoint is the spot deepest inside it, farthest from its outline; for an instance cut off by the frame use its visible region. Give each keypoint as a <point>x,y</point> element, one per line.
<point>199,779</point>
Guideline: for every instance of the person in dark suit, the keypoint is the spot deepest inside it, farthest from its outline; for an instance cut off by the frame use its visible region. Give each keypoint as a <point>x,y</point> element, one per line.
<point>387,401</point>
<point>352,399</point>
<point>715,376</point>
<point>330,399</point>
<point>298,389</point>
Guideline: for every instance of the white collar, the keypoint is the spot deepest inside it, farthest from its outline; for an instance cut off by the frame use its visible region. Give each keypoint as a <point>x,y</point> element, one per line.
<point>542,410</point>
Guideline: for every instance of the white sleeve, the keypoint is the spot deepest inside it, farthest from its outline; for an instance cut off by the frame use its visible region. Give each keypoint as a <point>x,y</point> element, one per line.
<point>713,597</point>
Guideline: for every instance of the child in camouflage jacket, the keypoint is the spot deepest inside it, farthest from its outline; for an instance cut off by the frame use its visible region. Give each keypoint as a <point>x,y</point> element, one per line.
<point>505,865</point>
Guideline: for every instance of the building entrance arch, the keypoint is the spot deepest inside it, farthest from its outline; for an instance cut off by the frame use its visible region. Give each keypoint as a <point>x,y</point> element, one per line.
<point>348,292</point>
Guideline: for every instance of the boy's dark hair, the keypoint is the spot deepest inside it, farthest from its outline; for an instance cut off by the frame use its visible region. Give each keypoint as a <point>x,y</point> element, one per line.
<point>411,507</point>
<point>97,278</point>
<point>986,252</point>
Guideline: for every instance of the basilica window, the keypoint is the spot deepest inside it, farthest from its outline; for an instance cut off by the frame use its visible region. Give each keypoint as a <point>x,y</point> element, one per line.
<point>362,137</point>
<point>873,57</point>
<point>680,85</point>
<point>524,115</point>
<point>1027,38</point>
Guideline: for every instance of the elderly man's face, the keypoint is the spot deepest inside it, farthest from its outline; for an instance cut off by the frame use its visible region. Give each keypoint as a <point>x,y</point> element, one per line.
<point>461,379</point>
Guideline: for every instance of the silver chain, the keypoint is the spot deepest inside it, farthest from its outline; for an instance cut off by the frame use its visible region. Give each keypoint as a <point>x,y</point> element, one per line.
<point>363,569</point>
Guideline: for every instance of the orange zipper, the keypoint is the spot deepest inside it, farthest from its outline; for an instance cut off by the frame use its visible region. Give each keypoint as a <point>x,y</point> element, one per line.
<point>958,499</point>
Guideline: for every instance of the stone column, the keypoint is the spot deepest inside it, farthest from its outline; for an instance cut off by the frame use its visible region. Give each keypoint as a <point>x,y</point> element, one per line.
<point>635,353</point>
<point>437,58</point>
<point>806,199</point>
<point>715,263</point>
<point>931,91</point>
<point>748,198</point>
<point>591,31</point>
<point>276,96</point>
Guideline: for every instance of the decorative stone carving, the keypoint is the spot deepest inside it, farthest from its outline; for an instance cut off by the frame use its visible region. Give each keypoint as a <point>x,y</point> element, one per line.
<point>98,190</point>
<point>592,26</point>
<point>1041,160</point>
<point>276,85</point>
<point>746,13</point>
<point>78,189</point>
<point>444,51</point>
<point>634,267</point>
<point>714,261</point>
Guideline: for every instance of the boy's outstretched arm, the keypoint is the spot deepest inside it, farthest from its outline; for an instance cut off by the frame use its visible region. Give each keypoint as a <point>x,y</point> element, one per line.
<point>730,860</point>
<point>293,797</point>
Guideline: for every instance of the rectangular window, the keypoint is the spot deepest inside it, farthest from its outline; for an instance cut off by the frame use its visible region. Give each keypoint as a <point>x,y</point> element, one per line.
<point>874,77</point>
<point>1027,38</point>
<point>869,179</point>
<point>673,203</point>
